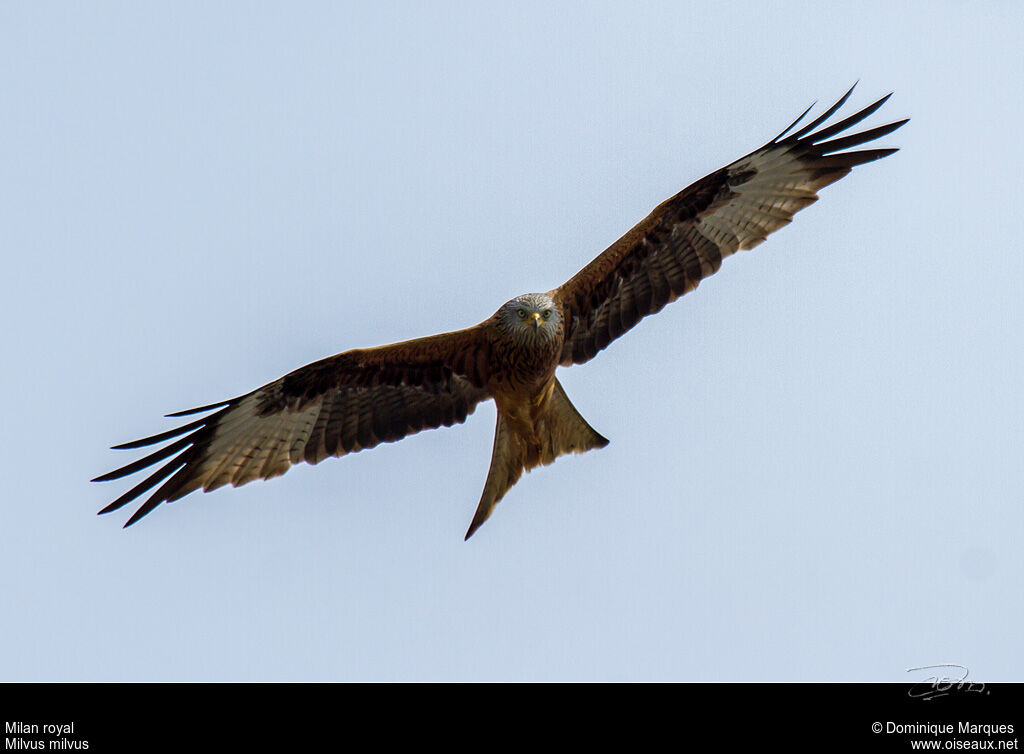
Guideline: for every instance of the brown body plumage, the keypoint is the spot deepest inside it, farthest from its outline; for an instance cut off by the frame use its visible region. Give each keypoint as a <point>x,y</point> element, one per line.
<point>361,398</point>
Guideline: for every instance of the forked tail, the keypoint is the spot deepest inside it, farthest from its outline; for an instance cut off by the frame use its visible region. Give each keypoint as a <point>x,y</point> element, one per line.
<point>558,431</point>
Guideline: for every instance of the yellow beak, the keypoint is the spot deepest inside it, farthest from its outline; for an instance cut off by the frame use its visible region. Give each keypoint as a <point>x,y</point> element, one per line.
<point>536,320</point>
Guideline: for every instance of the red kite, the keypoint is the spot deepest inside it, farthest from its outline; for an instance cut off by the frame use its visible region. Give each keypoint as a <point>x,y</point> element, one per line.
<point>358,399</point>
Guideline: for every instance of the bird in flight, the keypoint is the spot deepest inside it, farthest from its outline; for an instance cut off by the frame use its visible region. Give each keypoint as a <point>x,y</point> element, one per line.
<point>361,398</point>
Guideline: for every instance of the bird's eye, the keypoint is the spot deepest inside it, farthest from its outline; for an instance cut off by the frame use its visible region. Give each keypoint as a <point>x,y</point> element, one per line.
<point>522,314</point>
<point>547,314</point>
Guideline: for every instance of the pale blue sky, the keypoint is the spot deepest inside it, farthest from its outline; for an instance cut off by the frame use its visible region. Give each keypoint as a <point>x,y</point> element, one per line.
<point>815,469</point>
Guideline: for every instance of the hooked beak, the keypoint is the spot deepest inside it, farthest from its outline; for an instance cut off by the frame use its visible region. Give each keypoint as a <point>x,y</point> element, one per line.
<point>536,320</point>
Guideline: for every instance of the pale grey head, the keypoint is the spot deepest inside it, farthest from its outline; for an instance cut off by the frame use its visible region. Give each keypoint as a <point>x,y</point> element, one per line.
<point>530,318</point>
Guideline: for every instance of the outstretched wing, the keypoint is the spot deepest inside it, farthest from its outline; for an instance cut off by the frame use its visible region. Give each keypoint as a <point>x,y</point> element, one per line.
<point>337,405</point>
<point>686,237</point>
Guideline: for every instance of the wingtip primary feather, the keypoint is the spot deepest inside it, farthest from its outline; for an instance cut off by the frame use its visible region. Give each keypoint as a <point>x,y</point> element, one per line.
<point>791,125</point>
<point>823,117</point>
<point>198,410</point>
<point>139,514</point>
<point>817,121</point>
<point>853,140</point>
<point>158,438</point>
<point>857,117</point>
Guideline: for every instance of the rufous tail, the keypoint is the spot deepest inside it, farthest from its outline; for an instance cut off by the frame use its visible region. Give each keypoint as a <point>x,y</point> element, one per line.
<point>557,431</point>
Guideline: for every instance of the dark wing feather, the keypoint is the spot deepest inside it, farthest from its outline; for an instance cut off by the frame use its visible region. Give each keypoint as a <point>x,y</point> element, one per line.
<point>341,404</point>
<point>686,237</point>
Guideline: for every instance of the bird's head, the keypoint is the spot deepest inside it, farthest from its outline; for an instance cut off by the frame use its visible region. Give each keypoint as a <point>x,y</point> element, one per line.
<point>530,317</point>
